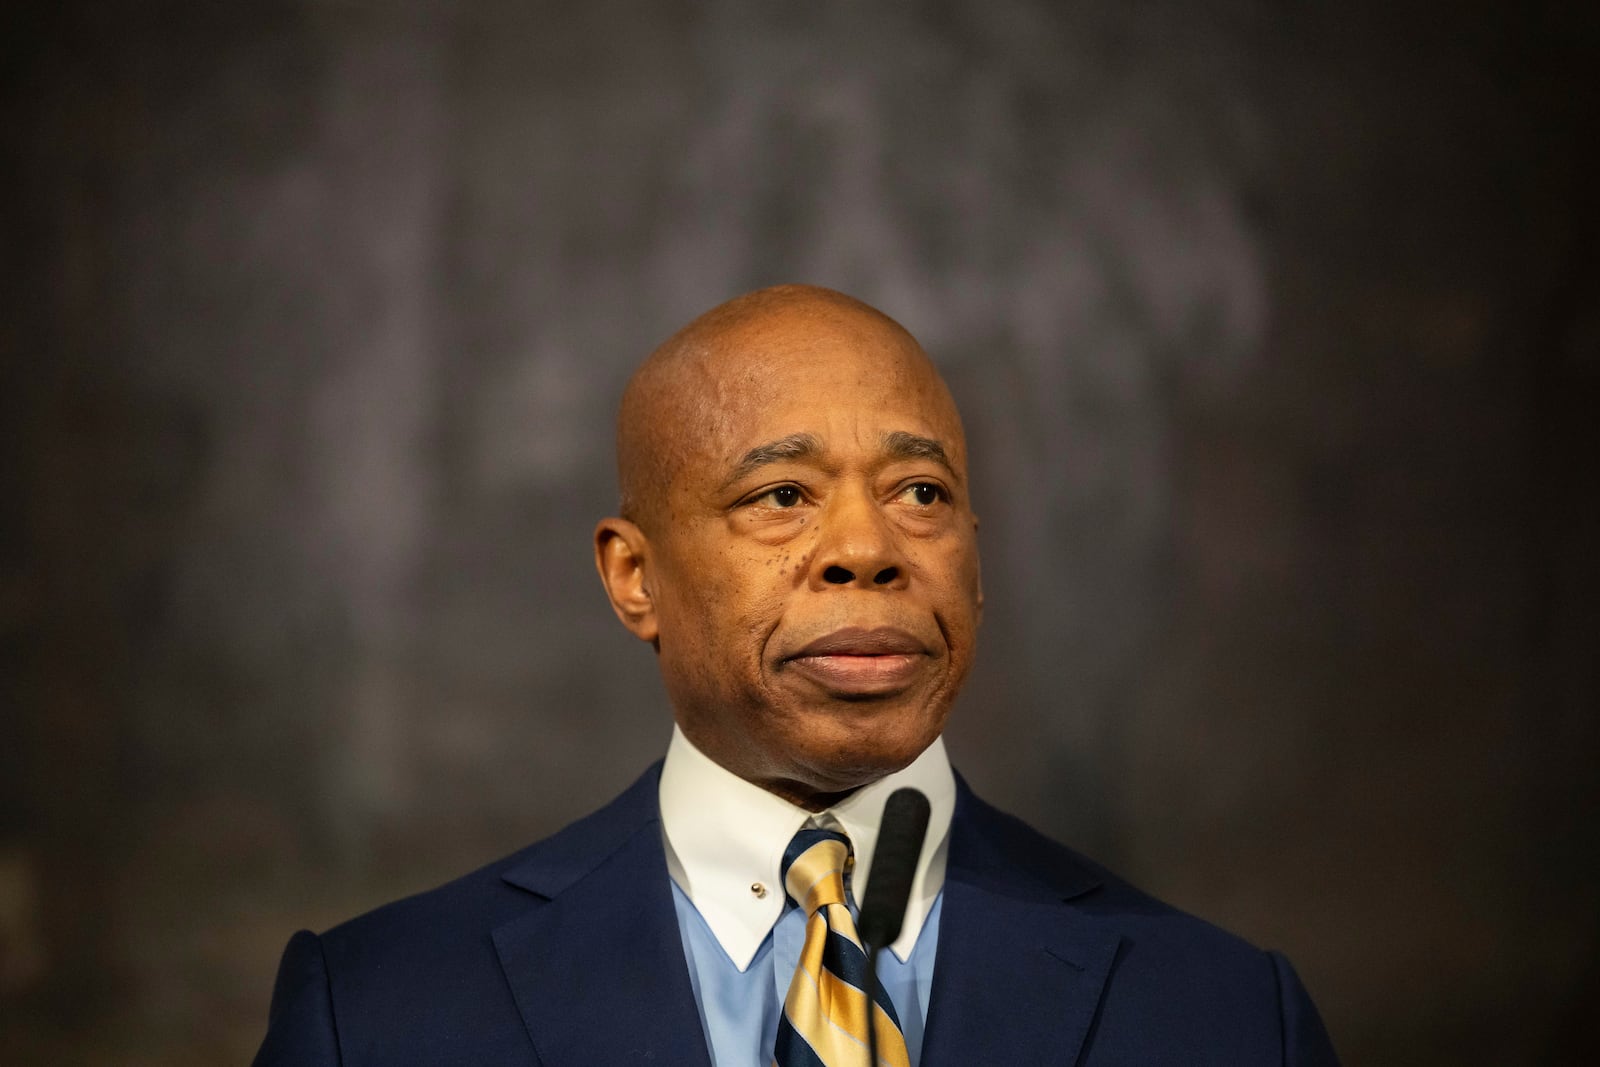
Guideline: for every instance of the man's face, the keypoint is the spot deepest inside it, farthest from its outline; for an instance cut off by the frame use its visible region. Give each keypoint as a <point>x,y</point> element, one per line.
<point>814,571</point>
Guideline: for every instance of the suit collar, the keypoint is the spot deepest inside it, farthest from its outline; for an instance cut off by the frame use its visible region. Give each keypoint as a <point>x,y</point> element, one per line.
<point>551,866</point>
<point>1003,854</point>
<point>1013,947</point>
<point>597,966</point>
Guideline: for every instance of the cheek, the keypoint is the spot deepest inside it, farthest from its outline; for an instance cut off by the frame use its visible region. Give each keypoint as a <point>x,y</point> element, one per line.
<point>734,605</point>
<point>753,582</point>
<point>953,566</point>
<point>974,584</point>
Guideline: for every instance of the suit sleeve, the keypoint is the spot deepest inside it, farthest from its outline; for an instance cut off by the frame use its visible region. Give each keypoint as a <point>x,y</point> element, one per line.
<point>300,1026</point>
<point>1305,1039</point>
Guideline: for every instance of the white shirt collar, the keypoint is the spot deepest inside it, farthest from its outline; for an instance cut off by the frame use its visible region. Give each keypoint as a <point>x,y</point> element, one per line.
<point>725,835</point>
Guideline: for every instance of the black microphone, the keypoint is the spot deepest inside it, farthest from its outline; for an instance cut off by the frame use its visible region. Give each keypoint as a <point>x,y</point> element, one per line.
<point>894,865</point>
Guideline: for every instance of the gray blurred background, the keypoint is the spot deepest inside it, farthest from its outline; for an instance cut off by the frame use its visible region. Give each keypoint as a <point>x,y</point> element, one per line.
<point>1276,330</point>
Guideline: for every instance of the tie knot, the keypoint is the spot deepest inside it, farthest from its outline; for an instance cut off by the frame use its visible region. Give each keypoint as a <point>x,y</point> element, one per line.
<point>814,867</point>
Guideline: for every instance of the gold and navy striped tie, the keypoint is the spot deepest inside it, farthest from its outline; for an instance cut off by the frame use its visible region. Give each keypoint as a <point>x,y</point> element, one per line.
<point>825,1015</point>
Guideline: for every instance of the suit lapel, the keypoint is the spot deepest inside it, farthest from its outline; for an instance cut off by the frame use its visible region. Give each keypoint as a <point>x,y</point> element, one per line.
<point>1019,971</point>
<point>596,963</point>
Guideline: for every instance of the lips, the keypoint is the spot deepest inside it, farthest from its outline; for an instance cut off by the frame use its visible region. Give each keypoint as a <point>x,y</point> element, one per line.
<point>858,662</point>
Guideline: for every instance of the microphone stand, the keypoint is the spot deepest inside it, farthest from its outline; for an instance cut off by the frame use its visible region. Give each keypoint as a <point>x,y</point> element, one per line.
<point>872,1021</point>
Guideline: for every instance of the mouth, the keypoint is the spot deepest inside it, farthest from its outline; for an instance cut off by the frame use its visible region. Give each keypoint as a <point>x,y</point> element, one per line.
<point>860,663</point>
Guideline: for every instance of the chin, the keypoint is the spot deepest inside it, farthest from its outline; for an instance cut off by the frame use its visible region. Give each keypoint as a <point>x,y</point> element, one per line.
<point>840,760</point>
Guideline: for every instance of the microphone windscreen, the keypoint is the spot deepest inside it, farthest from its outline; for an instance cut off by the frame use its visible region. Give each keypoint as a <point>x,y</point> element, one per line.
<point>894,864</point>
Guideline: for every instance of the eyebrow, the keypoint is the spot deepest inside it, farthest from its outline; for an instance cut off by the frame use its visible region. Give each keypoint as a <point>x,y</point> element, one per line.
<point>897,444</point>
<point>795,446</point>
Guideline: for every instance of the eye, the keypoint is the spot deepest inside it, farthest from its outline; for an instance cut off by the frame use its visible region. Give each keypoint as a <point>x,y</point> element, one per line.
<point>783,496</point>
<point>924,494</point>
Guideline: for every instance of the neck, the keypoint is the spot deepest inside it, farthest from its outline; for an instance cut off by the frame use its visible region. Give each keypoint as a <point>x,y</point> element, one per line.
<point>802,795</point>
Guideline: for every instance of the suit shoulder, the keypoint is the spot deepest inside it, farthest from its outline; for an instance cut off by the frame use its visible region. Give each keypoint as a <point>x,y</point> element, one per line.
<point>476,902</point>
<point>472,899</point>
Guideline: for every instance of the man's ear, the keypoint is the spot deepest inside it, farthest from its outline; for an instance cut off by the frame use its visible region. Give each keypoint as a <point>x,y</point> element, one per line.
<point>622,556</point>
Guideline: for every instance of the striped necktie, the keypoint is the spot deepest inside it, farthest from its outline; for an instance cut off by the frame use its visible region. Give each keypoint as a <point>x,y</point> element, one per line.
<point>824,1020</point>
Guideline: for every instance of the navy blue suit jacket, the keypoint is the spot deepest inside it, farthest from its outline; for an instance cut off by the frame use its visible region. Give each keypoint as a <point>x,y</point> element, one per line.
<point>568,953</point>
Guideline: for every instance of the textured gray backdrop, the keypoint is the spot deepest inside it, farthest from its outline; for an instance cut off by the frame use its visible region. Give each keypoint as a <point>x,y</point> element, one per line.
<point>1275,326</point>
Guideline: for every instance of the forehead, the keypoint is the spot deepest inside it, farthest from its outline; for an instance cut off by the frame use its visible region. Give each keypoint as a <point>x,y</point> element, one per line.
<point>849,381</point>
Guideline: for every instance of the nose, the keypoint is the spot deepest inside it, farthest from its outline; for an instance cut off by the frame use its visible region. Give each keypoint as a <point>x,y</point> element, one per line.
<point>858,546</point>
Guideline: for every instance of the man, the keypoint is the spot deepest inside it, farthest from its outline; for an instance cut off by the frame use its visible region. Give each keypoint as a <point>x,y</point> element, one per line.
<point>798,545</point>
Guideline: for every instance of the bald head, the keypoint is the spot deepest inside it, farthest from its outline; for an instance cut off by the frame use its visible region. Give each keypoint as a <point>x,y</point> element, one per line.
<point>710,373</point>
